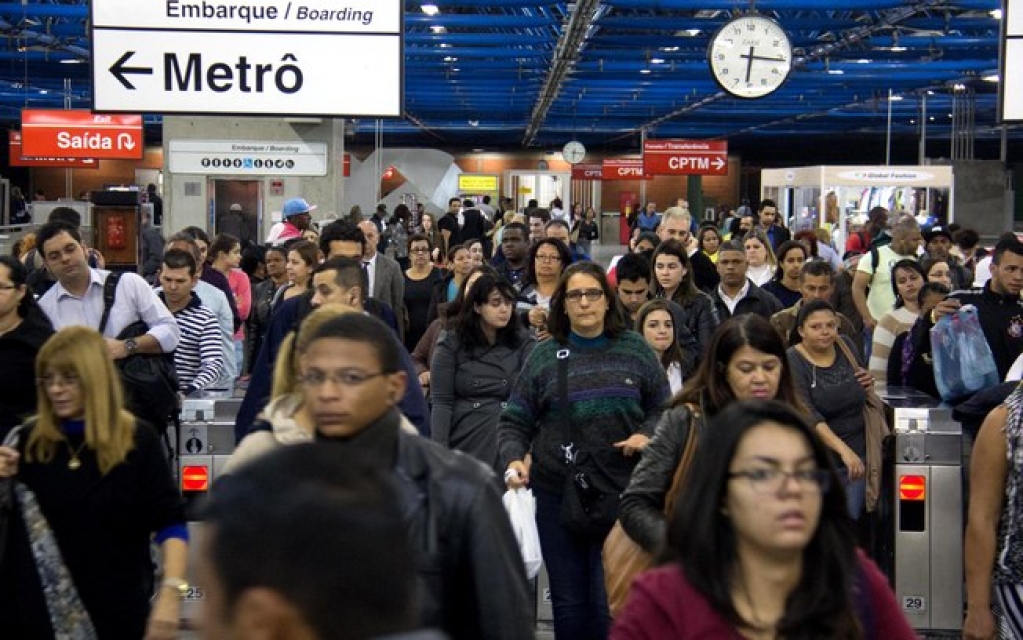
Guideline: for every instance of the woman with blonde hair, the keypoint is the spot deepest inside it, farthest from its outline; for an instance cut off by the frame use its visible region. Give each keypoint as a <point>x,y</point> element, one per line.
<point>760,257</point>
<point>96,478</point>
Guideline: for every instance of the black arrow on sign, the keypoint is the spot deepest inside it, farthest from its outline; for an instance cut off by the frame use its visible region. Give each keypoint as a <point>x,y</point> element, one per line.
<point>119,70</point>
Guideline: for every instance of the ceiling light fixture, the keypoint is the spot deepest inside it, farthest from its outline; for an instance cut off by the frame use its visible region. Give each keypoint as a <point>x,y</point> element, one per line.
<point>836,72</point>
<point>430,9</point>
<point>656,60</point>
<point>863,61</point>
<point>450,59</point>
<point>895,98</point>
<point>438,29</point>
<point>991,78</point>
<point>72,61</point>
<point>995,13</point>
<point>445,45</point>
<point>644,71</point>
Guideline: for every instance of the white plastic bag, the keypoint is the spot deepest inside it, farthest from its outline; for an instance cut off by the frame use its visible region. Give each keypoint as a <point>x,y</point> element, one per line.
<point>521,508</point>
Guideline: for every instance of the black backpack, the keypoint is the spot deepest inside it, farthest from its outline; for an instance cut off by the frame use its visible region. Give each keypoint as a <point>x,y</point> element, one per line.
<point>150,380</point>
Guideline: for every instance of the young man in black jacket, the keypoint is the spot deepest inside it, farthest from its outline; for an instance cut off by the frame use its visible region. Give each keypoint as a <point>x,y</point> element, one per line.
<point>471,574</point>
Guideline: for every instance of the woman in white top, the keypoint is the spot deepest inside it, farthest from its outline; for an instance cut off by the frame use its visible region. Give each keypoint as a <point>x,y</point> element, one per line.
<point>656,322</point>
<point>907,278</point>
<point>760,257</point>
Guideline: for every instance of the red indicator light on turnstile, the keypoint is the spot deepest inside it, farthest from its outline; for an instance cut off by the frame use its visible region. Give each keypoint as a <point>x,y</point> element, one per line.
<point>912,487</point>
<point>195,478</point>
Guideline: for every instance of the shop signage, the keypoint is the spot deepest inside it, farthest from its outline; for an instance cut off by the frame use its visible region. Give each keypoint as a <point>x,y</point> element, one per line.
<point>685,157</point>
<point>16,158</point>
<point>55,133</point>
<point>258,57</point>
<point>886,176</point>
<point>247,157</point>
<point>1011,73</point>
<point>623,169</point>
<point>587,171</point>
<point>477,183</point>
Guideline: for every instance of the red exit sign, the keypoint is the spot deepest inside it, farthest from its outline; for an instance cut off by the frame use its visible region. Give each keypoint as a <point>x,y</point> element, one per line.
<point>80,134</point>
<point>685,157</point>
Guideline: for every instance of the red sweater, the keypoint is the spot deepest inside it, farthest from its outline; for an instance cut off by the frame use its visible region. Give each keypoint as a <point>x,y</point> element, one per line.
<point>662,604</point>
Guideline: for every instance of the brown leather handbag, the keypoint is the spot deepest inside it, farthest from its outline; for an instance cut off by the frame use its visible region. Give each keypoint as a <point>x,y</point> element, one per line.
<point>623,558</point>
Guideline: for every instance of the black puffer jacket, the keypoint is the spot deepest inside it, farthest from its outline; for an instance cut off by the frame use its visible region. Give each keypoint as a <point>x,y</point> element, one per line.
<point>642,507</point>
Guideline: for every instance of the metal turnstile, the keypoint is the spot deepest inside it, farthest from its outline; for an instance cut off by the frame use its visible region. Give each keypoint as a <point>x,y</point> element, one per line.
<point>205,442</point>
<point>927,512</point>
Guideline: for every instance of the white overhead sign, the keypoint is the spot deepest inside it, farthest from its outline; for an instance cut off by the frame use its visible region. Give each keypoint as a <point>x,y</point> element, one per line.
<point>247,157</point>
<point>1011,84</point>
<point>252,58</point>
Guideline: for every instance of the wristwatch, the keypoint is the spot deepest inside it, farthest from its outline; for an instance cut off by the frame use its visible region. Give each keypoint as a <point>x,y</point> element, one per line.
<point>177,585</point>
<point>130,345</point>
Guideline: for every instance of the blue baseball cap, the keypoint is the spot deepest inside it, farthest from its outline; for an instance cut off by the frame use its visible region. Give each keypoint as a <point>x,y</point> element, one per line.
<point>296,206</point>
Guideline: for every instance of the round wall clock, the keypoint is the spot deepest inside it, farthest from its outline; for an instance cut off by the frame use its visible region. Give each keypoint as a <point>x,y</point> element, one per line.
<point>750,56</point>
<point>573,152</point>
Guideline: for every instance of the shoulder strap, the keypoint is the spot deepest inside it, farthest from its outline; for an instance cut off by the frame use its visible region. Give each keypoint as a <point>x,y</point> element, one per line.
<point>562,357</point>
<point>687,459</point>
<point>109,293</point>
<point>875,258</point>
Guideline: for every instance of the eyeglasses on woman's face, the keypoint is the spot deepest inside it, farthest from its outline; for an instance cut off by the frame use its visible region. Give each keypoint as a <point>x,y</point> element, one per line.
<point>591,295</point>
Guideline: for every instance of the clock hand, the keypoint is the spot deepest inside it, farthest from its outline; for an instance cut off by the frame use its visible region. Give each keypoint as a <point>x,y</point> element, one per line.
<point>749,63</point>
<point>752,57</point>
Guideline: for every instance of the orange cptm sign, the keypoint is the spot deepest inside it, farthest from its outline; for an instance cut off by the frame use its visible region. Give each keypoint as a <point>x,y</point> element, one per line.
<point>912,488</point>
<point>17,159</point>
<point>55,133</point>
<point>195,478</point>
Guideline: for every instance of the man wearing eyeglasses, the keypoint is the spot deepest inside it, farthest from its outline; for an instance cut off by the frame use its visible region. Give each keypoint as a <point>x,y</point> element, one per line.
<point>471,575</point>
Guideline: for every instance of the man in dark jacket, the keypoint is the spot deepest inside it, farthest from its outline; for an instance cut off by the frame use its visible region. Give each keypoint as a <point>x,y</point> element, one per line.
<point>768,221</point>
<point>471,574</point>
<point>737,294</point>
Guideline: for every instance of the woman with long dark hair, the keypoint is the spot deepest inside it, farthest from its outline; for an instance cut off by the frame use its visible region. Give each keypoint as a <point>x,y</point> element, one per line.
<point>584,405</point>
<point>907,279</point>
<point>761,545</point>
<point>420,279</point>
<point>746,359</point>
<point>23,330</point>
<point>673,279</point>
<point>656,321</point>
<point>785,284</point>
<point>474,367</point>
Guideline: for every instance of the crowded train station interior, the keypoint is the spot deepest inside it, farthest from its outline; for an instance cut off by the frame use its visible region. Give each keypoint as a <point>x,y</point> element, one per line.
<point>603,319</point>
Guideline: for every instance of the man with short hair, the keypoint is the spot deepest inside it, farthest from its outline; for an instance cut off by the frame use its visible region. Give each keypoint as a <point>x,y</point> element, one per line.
<point>450,229</point>
<point>999,306</point>
<point>736,294</point>
<point>515,250</point>
<point>77,297</point>
<point>538,218</point>
<point>768,220</point>
<point>386,281</point>
<point>487,210</point>
<point>199,357</point>
<point>873,232</point>
<point>675,225</point>
<point>938,246</point>
<point>816,282</point>
<point>307,543</point>
<point>297,215</point>
<point>558,230</point>
<point>339,279</point>
<point>905,242</point>
<point>471,576</point>
<point>213,299</point>
<point>632,273</point>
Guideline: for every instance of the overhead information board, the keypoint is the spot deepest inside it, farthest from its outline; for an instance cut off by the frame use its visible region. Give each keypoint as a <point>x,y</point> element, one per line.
<point>247,157</point>
<point>1011,82</point>
<point>254,58</point>
<point>477,183</point>
<point>685,157</point>
<point>76,133</point>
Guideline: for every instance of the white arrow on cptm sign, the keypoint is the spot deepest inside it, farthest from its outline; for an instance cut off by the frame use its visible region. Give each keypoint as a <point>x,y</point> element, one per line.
<point>718,163</point>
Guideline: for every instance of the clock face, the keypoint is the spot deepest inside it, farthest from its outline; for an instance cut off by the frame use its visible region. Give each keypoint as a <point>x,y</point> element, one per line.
<point>573,152</point>
<point>750,56</point>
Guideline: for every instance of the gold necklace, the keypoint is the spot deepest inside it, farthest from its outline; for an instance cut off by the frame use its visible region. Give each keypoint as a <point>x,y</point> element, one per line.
<point>75,462</point>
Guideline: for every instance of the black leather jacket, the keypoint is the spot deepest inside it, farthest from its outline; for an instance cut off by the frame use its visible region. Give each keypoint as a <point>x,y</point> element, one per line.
<point>641,510</point>
<point>470,569</point>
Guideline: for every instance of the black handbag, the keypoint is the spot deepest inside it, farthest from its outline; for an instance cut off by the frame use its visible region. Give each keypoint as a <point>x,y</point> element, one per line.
<point>589,500</point>
<point>150,380</point>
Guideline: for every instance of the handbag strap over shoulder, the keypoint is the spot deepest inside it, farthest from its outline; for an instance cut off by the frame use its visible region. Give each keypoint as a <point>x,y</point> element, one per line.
<point>688,453</point>
<point>109,293</point>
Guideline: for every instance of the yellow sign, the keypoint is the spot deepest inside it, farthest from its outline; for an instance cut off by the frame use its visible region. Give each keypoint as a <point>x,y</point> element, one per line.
<point>477,183</point>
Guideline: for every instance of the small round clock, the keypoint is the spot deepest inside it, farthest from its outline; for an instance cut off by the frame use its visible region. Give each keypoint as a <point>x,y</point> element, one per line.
<point>573,152</point>
<point>750,56</point>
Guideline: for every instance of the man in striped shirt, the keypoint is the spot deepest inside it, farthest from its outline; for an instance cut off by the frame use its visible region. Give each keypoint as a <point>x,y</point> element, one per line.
<point>199,357</point>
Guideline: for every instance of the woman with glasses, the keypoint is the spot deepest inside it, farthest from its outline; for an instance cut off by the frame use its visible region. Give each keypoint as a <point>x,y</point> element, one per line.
<point>23,330</point>
<point>745,360</point>
<point>420,278</point>
<point>585,403</point>
<point>474,368</point>
<point>761,544</point>
<point>547,260</point>
<point>835,390</point>
<point>99,479</point>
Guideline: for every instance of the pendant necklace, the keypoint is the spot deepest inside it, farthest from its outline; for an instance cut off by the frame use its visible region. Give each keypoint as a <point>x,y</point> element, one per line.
<point>75,462</point>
